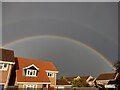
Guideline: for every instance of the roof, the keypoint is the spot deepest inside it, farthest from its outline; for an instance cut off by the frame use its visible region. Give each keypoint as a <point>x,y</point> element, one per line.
<point>81,77</point>
<point>62,82</point>
<point>24,62</point>
<point>71,78</point>
<point>106,76</point>
<point>84,77</point>
<point>41,75</point>
<point>7,55</point>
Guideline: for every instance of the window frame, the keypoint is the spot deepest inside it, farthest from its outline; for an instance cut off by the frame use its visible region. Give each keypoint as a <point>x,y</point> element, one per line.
<point>3,68</point>
<point>29,71</point>
<point>31,86</point>
<point>50,73</point>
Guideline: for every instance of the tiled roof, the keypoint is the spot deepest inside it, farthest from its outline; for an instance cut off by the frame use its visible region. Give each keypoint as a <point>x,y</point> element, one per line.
<point>81,77</point>
<point>106,76</point>
<point>84,77</point>
<point>24,62</point>
<point>71,78</point>
<point>41,75</point>
<point>6,55</point>
<point>62,82</point>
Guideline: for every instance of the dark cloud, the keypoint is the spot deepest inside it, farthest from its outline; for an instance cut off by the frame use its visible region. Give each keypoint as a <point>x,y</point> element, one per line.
<point>94,24</point>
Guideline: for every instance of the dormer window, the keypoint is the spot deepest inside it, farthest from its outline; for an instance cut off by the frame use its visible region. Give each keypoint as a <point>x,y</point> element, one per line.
<point>31,70</point>
<point>3,66</point>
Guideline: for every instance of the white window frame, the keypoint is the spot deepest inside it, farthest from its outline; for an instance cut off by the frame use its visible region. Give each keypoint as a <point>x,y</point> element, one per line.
<point>3,68</point>
<point>50,73</point>
<point>32,86</point>
<point>28,71</point>
<point>31,66</point>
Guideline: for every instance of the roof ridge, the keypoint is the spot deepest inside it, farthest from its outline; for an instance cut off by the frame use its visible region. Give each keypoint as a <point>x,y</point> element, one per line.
<point>107,73</point>
<point>34,59</point>
<point>6,49</point>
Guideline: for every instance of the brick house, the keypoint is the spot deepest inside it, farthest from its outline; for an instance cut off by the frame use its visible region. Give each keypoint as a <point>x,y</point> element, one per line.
<point>66,83</point>
<point>63,84</point>
<point>103,79</point>
<point>35,73</point>
<point>89,79</point>
<point>6,64</point>
<point>24,72</point>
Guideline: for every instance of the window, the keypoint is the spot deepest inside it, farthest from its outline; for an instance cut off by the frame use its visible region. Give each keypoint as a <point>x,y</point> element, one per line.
<point>3,66</point>
<point>44,85</point>
<point>50,74</point>
<point>30,72</point>
<point>29,87</point>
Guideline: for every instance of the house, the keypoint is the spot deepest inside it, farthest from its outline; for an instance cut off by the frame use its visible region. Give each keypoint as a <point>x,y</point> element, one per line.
<point>103,79</point>
<point>89,79</point>
<point>115,82</point>
<point>63,84</point>
<point>25,73</point>
<point>7,62</point>
<point>34,73</point>
<point>69,79</point>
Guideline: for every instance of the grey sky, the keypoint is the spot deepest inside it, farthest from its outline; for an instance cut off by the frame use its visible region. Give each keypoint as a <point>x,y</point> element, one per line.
<point>0,24</point>
<point>60,0</point>
<point>94,24</point>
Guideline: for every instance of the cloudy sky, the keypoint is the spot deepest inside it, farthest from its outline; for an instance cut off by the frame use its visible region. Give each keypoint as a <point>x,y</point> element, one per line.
<point>80,37</point>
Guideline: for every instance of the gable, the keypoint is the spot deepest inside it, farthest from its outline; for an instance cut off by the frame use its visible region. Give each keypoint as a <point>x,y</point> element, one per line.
<point>32,67</point>
<point>31,70</point>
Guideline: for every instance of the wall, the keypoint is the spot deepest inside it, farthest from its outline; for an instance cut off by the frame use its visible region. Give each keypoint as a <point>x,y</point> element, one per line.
<point>53,80</point>
<point>5,75</point>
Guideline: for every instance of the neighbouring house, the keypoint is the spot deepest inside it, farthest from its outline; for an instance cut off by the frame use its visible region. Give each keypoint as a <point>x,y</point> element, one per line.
<point>115,82</point>
<point>7,62</point>
<point>103,79</point>
<point>35,73</point>
<point>63,84</point>
<point>89,79</point>
<point>69,79</point>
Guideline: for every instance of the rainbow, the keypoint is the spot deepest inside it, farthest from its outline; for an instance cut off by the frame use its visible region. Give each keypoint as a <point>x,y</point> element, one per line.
<point>61,37</point>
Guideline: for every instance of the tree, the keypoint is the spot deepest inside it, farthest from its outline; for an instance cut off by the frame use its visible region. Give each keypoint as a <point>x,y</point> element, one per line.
<point>117,66</point>
<point>79,83</point>
<point>62,78</point>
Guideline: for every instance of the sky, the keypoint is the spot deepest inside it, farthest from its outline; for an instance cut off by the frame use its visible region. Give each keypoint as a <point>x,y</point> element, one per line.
<point>80,37</point>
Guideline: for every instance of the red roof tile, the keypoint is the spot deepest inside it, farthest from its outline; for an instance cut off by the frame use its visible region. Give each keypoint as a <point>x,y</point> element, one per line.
<point>106,76</point>
<point>62,82</point>
<point>41,77</point>
<point>84,77</point>
<point>71,78</point>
